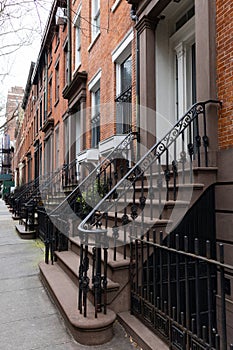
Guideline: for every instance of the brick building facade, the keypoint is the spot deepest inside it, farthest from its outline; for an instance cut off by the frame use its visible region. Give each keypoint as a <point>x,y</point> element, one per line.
<point>171,61</point>
<point>74,53</point>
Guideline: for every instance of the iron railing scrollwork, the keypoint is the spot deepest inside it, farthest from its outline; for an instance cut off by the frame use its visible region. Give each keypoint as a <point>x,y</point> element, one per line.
<point>87,193</point>
<point>141,196</point>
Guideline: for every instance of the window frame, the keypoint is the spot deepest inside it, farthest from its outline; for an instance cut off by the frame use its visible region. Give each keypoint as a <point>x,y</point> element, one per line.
<point>77,30</point>
<point>95,19</point>
<point>57,82</point>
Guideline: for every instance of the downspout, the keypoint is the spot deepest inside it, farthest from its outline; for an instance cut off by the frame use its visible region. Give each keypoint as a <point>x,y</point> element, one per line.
<point>69,42</point>
<point>134,17</point>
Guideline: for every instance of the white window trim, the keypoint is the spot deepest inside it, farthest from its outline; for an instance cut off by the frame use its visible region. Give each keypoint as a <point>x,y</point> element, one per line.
<point>94,82</point>
<point>120,53</point>
<point>77,62</point>
<point>94,30</point>
<point>115,5</point>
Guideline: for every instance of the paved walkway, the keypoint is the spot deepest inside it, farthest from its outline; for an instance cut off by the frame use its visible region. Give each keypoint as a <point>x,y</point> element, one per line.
<point>28,318</point>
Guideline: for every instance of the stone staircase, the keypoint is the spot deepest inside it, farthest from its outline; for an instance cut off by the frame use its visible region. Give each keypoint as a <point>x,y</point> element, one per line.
<point>62,278</point>
<point>142,201</point>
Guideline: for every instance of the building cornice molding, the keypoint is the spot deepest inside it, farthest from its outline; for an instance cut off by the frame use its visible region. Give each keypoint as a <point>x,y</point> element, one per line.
<point>77,84</point>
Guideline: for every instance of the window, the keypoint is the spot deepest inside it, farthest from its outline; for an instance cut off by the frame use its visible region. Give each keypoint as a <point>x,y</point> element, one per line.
<point>36,123</point>
<point>94,88</point>
<point>66,140</point>
<point>123,60</point>
<point>57,149</point>
<point>57,82</point>
<point>41,80</point>
<point>77,28</point>
<point>45,104</point>
<point>66,65</point>
<point>50,93</point>
<point>95,18</point>
<point>123,99</point>
<point>41,114</point>
<point>50,56</point>
<point>95,118</point>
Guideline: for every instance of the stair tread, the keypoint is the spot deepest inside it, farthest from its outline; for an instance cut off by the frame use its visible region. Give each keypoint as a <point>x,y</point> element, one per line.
<point>65,292</point>
<point>120,261</point>
<point>147,220</point>
<point>71,260</point>
<point>170,186</point>
<point>156,201</point>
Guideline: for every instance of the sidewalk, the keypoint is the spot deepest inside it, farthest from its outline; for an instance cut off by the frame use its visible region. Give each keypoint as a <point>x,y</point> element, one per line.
<point>28,318</point>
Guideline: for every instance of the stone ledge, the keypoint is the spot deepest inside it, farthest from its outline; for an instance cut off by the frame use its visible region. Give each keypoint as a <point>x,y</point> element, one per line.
<point>142,335</point>
<point>85,330</point>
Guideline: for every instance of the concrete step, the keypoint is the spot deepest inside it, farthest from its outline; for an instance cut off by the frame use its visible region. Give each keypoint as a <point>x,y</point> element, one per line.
<point>142,335</point>
<point>118,270</point>
<point>118,274</point>
<point>70,262</point>
<point>29,234</point>
<point>204,175</point>
<point>85,330</point>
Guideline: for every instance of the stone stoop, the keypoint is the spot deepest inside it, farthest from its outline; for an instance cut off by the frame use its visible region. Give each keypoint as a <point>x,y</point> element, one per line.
<point>85,330</point>
<point>61,280</point>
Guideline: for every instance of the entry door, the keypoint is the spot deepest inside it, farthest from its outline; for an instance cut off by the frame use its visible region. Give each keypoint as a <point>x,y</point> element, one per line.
<point>175,74</point>
<point>185,77</point>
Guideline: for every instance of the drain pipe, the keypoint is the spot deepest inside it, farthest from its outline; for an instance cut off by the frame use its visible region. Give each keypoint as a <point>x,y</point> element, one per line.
<point>134,17</point>
<point>69,42</point>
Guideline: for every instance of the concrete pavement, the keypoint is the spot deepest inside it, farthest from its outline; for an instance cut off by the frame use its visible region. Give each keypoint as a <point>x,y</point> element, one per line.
<point>28,318</point>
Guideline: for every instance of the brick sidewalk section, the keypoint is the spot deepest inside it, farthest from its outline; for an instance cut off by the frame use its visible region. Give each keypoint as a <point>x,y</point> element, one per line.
<point>28,318</point>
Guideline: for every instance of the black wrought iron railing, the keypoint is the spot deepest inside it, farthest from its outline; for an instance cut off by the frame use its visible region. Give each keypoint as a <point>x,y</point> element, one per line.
<point>176,292</point>
<point>124,111</point>
<point>93,187</point>
<point>70,174</point>
<point>148,194</point>
<point>175,154</point>
<point>22,196</point>
<point>52,193</point>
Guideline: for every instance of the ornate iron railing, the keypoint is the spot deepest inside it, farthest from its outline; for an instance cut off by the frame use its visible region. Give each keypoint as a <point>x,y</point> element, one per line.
<point>124,111</point>
<point>93,187</point>
<point>163,158</point>
<point>22,197</point>
<point>148,194</point>
<point>176,292</point>
<point>105,171</point>
<point>52,189</point>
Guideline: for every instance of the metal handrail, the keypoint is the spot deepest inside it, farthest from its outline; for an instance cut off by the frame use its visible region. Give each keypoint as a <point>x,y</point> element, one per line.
<point>144,163</point>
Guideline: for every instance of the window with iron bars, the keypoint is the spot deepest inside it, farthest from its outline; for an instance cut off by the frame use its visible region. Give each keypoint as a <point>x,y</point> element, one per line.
<point>124,111</point>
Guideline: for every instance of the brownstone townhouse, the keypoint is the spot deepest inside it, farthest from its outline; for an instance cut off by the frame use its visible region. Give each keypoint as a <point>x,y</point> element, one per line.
<point>125,159</point>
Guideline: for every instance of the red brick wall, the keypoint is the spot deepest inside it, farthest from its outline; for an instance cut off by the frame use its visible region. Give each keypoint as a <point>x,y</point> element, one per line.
<point>225,71</point>
<point>113,27</point>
